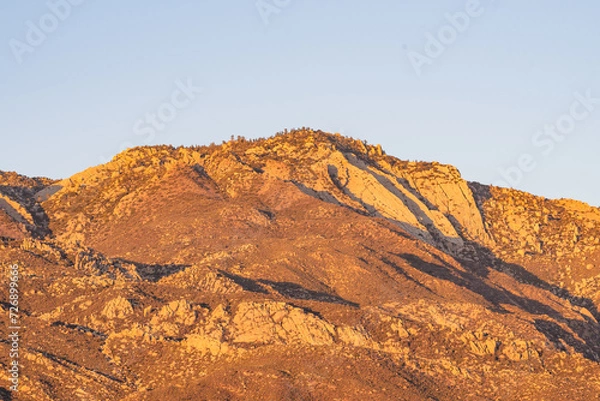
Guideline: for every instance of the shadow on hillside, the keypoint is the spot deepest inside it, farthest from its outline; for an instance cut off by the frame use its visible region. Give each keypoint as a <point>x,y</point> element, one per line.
<point>397,268</point>
<point>246,283</point>
<point>321,195</point>
<point>559,337</point>
<point>26,197</point>
<point>155,272</point>
<point>587,341</point>
<point>286,289</point>
<point>296,291</point>
<point>70,364</point>
<point>444,271</point>
<point>80,328</point>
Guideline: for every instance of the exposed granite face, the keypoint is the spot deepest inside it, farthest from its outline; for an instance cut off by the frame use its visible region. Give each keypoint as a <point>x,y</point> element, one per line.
<point>303,266</point>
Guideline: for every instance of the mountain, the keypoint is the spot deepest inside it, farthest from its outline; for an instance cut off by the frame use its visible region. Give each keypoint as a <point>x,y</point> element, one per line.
<point>305,266</point>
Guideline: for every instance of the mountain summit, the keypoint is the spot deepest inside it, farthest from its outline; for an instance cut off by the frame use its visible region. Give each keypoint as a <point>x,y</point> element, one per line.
<point>305,266</point>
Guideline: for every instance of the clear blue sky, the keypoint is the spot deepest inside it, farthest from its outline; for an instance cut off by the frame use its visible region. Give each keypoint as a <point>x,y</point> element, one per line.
<point>341,66</point>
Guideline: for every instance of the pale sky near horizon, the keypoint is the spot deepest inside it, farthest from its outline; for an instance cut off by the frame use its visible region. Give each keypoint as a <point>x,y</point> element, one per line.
<point>514,88</point>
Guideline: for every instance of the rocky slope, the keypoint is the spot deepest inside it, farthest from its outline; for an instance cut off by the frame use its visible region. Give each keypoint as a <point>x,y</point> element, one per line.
<point>305,266</point>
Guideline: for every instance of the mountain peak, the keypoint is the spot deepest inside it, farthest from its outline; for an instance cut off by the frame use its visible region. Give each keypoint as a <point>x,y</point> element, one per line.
<point>304,253</point>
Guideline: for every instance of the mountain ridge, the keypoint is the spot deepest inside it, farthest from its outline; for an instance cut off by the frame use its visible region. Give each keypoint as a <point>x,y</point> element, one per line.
<point>261,266</point>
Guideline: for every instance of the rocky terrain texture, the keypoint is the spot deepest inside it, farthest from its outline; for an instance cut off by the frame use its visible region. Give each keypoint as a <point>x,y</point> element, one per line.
<point>306,266</point>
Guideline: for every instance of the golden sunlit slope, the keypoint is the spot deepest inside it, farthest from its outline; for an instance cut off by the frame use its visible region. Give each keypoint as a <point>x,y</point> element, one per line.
<point>303,266</point>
